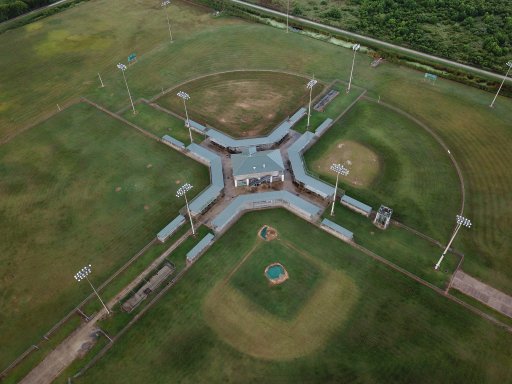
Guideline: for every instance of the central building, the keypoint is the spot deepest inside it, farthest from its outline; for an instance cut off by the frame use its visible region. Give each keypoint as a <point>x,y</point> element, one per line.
<point>252,167</point>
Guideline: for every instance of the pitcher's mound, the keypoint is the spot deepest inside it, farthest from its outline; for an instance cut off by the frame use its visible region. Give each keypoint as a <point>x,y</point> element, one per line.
<point>267,233</point>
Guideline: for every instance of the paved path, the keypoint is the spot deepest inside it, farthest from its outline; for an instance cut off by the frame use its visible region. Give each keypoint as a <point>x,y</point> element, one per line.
<point>67,351</point>
<point>483,293</point>
<point>379,43</point>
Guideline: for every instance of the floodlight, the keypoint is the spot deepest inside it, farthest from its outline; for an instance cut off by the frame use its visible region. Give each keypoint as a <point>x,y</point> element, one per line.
<point>83,274</point>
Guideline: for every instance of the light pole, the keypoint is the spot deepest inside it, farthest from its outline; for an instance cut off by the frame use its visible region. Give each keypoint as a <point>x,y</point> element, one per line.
<point>182,191</point>
<point>101,81</point>
<point>82,274</point>
<point>340,170</point>
<point>165,3</point>
<point>310,86</point>
<point>509,64</point>
<point>122,67</point>
<point>185,96</point>
<point>287,15</point>
<point>355,48</point>
<point>461,221</point>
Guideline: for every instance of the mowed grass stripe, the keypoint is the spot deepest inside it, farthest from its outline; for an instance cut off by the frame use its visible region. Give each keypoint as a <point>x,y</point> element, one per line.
<point>398,330</point>
<point>416,177</point>
<point>251,330</point>
<point>62,209</point>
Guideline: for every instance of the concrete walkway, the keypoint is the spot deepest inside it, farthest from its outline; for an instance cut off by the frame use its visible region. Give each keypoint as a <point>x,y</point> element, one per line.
<point>484,293</point>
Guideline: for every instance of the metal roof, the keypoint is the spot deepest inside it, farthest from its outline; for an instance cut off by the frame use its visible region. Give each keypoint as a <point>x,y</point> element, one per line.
<point>170,228</point>
<point>210,194</point>
<point>323,127</point>
<point>257,162</point>
<point>199,247</point>
<point>338,228</point>
<point>295,155</point>
<point>213,160</point>
<point>261,200</point>
<point>356,203</point>
<point>277,135</point>
<point>172,140</point>
<point>196,126</point>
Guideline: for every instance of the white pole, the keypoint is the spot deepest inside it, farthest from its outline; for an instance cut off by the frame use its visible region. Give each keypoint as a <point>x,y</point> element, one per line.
<point>351,71</point>
<point>501,85</point>
<point>168,22</point>
<point>287,13</point>
<point>448,246</point>
<point>129,94</point>
<point>189,215</point>
<point>101,81</point>
<point>94,289</point>
<point>335,190</point>
<point>309,108</point>
<point>187,124</point>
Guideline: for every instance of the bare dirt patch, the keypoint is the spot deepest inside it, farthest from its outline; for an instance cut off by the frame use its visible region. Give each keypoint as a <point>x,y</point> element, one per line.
<point>118,189</point>
<point>267,233</point>
<point>243,104</point>
<point>363,163</point>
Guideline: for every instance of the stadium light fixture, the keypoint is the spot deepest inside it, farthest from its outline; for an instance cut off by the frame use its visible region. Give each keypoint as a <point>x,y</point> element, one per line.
<point>165,4</point>
<point>122,67</point>
<point>83,274</point>
<point>310,86</point>
<point>461,221</point>
<point>340,170</point>
<point>509,65</point>
<point>355,48</point>
<point>182,191</point>
<point>185,96</point>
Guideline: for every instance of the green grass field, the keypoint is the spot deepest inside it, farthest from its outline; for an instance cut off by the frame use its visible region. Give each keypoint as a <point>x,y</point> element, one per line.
<point>57,59</point>
<point>415,176</point>
<point>396,330</point>
<point>398,245</point>
<point>160,123</point>
<point>242,104</point>
<point>80,188</point>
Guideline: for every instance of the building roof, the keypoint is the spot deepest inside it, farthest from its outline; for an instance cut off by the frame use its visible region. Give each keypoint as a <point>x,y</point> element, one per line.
<point>257,162</point>
<point>170,228</point>
<point>323,127</point>
<point>356,203</point>
<point>207,196</point>
<point>338,228</point>
<point>199,247</point>
<point>294,153</point>
<point>196,126</point>
<point>275,136</point>
<point>172,140</point>
<point>263,199</point>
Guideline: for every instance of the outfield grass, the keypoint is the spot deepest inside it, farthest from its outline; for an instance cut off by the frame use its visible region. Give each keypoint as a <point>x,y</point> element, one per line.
<point>58,59</point>
<point>416,177</point>
<point>396,331</point>
<point>242,104</point>
<point>399,246</point>
<point>80,188</point>
<point>160,123</point>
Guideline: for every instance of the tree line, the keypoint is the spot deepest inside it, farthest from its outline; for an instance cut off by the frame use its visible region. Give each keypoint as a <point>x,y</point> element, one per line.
<point>10,9</point>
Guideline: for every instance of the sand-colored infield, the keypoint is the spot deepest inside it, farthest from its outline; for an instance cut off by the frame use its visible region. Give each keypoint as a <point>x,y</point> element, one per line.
<point>363,163</point>
<point>250,329</point>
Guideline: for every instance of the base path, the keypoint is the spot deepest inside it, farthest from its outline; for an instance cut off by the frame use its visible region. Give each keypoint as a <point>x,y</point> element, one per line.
<point>483,292</point>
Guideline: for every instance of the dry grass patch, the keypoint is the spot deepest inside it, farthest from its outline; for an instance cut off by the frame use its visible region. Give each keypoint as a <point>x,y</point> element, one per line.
<point>363,163</point>
<point>242,103</point>
<point>251,330</point>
